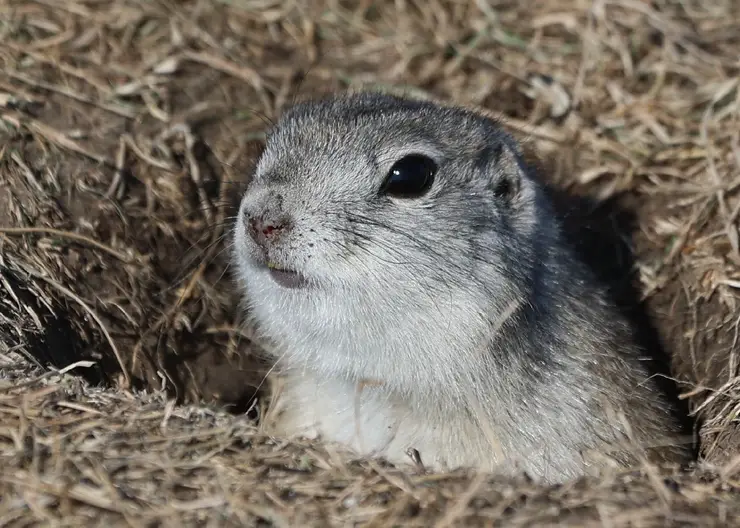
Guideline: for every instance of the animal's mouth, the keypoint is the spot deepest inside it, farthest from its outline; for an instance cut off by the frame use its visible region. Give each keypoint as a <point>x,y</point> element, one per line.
<point>286,278</point>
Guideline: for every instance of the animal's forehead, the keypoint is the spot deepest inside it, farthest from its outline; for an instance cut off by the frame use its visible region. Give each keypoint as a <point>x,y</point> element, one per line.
<point>374,121</point>
<point>338,132</point>
<point>370,133</point>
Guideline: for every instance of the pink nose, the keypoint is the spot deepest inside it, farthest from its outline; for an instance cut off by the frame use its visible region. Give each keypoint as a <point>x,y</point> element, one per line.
<point>263,231</point>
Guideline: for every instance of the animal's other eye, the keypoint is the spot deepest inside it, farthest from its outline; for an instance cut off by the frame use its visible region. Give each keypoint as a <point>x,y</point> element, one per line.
<point>410,177</point>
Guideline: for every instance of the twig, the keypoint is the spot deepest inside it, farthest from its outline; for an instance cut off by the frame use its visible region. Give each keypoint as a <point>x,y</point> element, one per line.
<point>66,234</point>
<point>53,135</point>
<point>116,187</point>
<point>66,68</point>
<point>195,173</point>
<point>218,63</point>
<point>81,492</point>
<point>457,510</point>
<point>240,72</point>
<point>72,95</point>
<point>69,293</point>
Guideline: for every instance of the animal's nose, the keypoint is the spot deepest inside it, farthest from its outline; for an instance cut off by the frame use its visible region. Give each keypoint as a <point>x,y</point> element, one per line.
<point>263,230</point>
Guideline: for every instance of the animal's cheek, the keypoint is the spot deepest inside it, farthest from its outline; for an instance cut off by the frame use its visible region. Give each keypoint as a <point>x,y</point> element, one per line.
<point>308,237</point>
<point>321,242</point>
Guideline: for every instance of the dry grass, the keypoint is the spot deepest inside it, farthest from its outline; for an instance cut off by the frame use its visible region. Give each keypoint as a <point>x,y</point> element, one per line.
<point>86,457</point>
<point>126,130</point>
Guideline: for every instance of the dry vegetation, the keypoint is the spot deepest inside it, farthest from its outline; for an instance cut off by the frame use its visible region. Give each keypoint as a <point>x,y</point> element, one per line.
<point>126,130</point>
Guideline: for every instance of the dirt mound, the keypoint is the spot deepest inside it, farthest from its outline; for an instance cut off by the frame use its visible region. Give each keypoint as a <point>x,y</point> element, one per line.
<point>127,130</point>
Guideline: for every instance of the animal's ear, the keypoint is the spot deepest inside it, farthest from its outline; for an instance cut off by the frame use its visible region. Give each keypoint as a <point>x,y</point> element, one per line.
<point>506,172</point>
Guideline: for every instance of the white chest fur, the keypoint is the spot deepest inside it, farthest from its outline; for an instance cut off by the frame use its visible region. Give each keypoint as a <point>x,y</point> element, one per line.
<point>365,419</point>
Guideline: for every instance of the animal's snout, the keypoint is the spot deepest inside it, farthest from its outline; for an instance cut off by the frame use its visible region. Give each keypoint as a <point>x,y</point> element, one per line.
<point>264,230</point>
<point>266,221</point>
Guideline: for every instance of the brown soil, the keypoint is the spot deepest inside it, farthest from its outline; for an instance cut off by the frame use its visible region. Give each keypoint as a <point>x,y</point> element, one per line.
<point>128,128</point>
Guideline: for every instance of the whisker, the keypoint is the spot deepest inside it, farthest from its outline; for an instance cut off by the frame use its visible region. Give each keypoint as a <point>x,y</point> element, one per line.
<point>454,265</point>
<point>428,249</point>
<point>429,289</point>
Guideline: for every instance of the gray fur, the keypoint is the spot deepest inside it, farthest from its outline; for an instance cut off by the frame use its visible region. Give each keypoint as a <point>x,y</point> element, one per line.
<point>485,341</point>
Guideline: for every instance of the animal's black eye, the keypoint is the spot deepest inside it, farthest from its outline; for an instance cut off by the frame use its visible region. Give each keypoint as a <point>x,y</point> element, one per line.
<point>410,177</point>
